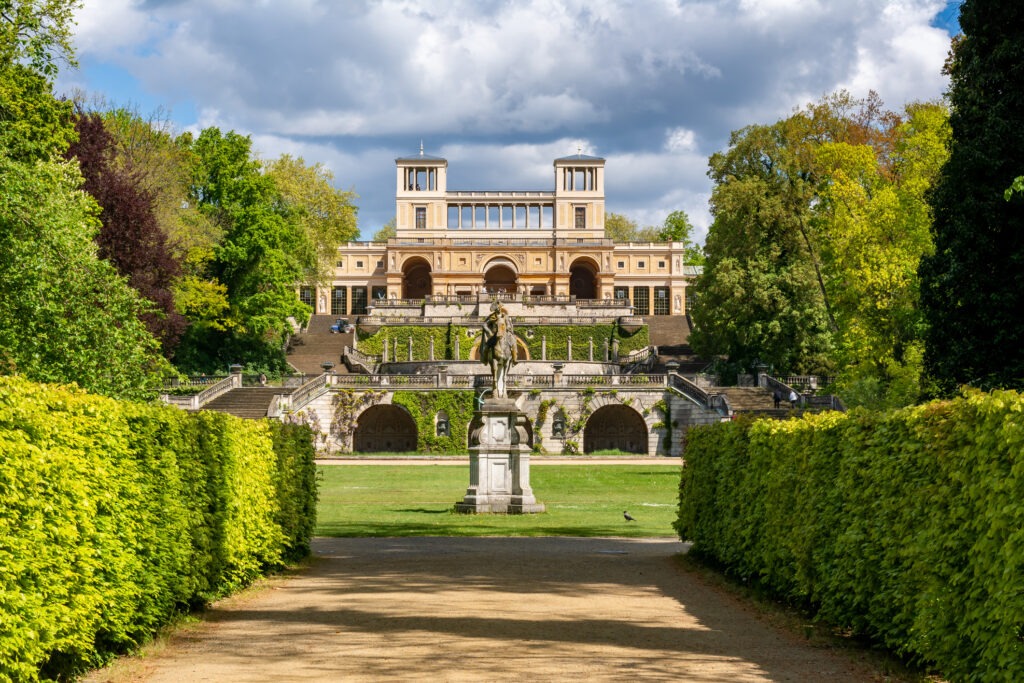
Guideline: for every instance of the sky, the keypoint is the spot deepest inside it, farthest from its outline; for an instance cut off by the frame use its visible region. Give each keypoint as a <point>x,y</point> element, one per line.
<point>501,88</point>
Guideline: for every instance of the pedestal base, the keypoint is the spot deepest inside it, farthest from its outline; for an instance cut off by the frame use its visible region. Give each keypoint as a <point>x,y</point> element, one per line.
<point>499,463</point>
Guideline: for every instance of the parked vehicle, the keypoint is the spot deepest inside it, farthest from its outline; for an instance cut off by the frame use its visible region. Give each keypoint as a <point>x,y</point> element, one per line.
<point>341,326</point>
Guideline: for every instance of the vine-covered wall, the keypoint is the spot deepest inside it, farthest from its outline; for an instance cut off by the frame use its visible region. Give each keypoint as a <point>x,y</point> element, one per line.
<point>533,336</point>
<point>424,407</point>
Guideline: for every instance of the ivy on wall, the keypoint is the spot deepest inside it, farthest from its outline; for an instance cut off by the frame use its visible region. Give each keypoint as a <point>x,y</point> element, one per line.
<point>425,405</point>
<point>347,403</point>
<point>556,336</point>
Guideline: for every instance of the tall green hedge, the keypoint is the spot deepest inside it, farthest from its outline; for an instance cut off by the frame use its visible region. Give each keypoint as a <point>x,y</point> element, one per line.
<point>904,526</point>
<point>116,515</point>
<point>424,406</point>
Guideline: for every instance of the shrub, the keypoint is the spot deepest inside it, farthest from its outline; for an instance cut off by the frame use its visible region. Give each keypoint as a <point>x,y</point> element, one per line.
<point>116,515</point>
<point>904,526</point>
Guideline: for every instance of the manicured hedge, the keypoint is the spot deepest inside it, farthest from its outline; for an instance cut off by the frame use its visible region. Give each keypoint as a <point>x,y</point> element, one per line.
<point>114,516</point>
<point>904,526</point>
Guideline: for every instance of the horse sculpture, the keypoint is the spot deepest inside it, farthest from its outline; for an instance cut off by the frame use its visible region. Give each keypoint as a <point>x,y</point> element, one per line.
<point>498,347</point>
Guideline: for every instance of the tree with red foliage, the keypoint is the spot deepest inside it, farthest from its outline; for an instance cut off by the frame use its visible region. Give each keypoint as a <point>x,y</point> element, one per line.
<point>130,237</point>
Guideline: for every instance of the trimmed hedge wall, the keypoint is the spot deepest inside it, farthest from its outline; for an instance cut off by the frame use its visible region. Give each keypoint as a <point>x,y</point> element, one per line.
<point>424,406</point>
<point>114,516</point>
<point>905,526</point>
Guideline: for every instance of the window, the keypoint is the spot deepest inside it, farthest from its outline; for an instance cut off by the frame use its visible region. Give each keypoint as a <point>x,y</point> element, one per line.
<point>359,301</point>
<point>661,301</point>
<point>340,264</point>
<point>379,292</point>
<point>306,296</point>
<point>622,265</point>
<point>581,218</point>
<point>661,264</point>
<point>462,261</point>
<point>339,301</point>
<point>538,262</point>
<point>622,294</point>
<point>359,264</point>
<point>380,263</point>
<point>421,218</point>
<point>641,301</point>
<point>641,264</point>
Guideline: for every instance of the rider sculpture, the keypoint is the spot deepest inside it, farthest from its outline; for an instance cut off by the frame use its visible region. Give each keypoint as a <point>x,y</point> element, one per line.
<point>498,347</point>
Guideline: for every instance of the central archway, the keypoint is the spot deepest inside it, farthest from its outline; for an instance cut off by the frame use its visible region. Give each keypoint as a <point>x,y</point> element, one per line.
<point>615,427</point>
<point>583,279</point>
<point>416,279</point>
<point>500,276</point>
<point>384,429</point>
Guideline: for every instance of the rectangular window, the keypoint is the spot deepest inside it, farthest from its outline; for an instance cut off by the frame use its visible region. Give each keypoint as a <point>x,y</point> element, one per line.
<point>622,265</point>
<point>380,263</point>
<point>622,294</point>
<point>661,301</point>
<point>339,301</point>
<point>421,218</point>
<point>359,301</point>
<point>359,264</point>
<point>581,218</point>
<point>340,264</point>
<point>641,265</point>
<point>661,264</point>
<point>306,296</point>
<point>641,301</point>
<point>379,292</point>
<point>453,216</point>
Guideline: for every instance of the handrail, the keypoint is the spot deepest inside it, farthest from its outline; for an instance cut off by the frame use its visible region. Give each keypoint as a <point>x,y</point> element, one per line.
<point>197,401</point>
<point>356,357</point>
<point>304,394</point>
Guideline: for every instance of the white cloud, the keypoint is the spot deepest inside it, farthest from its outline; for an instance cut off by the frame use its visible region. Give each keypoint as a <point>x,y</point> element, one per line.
<point>657,85</point>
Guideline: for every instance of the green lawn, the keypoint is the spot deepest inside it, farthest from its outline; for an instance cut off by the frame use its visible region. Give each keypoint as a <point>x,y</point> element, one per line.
<point>581,500</point>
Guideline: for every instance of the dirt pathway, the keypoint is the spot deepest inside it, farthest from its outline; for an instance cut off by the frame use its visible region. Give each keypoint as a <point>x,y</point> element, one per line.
<point>487,609</point>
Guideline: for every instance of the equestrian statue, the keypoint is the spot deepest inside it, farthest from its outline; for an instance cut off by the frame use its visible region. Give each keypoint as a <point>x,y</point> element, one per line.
<point>498,346</point>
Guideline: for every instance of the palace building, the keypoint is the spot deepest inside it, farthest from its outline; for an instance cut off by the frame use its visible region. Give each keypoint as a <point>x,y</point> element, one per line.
<point>535,245</point>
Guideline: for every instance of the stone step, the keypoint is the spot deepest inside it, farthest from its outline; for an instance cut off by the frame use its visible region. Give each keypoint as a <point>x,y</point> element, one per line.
<point>245,402</point>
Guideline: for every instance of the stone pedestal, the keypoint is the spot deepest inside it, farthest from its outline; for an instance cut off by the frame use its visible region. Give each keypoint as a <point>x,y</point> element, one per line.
<point>499,462</point>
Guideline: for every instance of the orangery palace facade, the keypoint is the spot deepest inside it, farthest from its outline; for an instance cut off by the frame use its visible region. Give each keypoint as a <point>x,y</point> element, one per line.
<point>541,245</point>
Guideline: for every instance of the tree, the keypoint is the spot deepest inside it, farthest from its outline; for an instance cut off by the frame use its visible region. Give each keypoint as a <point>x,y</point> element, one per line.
<point>264,255</point>
<point>676,228</point>
<point>325,214</point>
<point>972,287</point>
<point>65,314</point>
<point>761,296</point>
<point>38,33</point>
<point>873,224</point>
<point>387,231</point>
<point>619,228</point>
<point>129,236</point>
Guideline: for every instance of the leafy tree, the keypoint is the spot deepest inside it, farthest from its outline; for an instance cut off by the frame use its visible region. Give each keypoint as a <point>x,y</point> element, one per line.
<point>619,228</point>
<point>65,314</point>
<point>761,296</point>
<point>972,287</point>
<point>37,32</point>
<point>386,232</point>
<point>264,254</point>
<point>677,228</point>
<point>326,215</point>
<point>129,237</point>
<point>873,224</point>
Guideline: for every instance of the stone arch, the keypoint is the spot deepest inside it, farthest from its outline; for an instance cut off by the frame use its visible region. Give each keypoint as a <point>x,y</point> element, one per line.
<point>384,428</point>
<point>417,282</point>
<point>501,275</point>
<point>583,279</point>
<point>615,426</point>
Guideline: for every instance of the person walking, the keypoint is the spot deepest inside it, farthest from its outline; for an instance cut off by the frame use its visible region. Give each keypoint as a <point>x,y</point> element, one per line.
<point>792,399</point>
<point>777,398</point>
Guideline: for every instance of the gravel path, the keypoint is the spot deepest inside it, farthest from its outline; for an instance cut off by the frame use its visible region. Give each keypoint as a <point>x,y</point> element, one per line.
<point>487,609</point>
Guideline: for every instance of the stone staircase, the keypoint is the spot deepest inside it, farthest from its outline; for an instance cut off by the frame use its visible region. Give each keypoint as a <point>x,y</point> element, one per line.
<point>309,349</point>
<point>247,402</point>
<point>670,335</point>
<point>756,400</point>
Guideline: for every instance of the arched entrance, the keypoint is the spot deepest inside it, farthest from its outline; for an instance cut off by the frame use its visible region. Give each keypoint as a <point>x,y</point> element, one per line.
<point>583,279</point>
<point>384,429</point>
<point>500,276</point>
<point>416,279</point>
<point>615,427</point>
